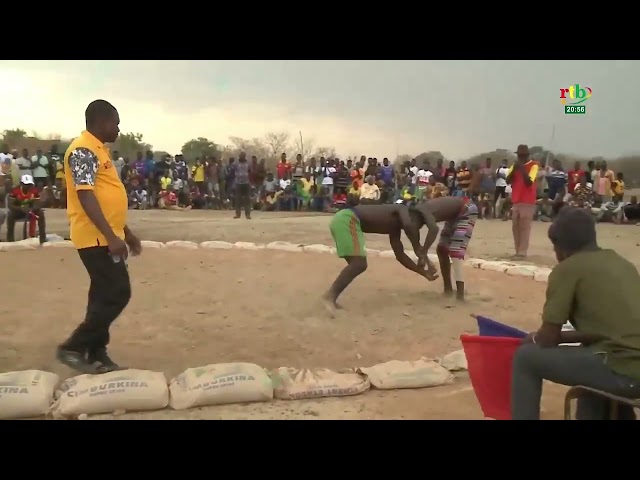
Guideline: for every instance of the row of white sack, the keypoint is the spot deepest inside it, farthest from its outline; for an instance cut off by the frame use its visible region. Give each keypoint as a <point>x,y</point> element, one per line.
<point>34,393</point>
<point>540,274</point>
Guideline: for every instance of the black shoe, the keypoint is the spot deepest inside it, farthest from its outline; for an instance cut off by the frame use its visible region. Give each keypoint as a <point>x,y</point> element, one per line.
<point>102,362</point>
<point>76,360</point>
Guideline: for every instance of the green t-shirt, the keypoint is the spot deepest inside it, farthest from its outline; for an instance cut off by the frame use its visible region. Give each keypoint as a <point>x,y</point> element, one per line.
<point>599,292</point>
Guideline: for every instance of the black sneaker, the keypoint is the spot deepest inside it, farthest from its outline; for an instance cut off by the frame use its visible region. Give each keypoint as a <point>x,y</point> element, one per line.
<point>75,360</point>
<point>102,362</point>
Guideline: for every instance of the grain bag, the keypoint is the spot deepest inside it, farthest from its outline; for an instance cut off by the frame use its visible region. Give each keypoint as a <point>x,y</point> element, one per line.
<point>454,361</point>
<point>128,390</point>
<point>294,384</point>
<point>26,394</point>
<point>396,374</point>
<point>220,384</point>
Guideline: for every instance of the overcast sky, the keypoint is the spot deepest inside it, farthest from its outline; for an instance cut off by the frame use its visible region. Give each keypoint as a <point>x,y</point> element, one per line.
<point>376,108</point>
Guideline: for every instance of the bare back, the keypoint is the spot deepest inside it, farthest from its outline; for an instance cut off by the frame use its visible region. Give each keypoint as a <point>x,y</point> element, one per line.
<point>383,219</point>
<point>443,208</point>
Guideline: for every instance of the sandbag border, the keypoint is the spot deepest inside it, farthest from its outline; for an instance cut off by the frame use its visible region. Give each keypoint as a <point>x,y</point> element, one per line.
<point>515,269</point>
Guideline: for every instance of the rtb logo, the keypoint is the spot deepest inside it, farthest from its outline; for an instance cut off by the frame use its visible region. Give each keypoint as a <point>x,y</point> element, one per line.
<point>575,95</point>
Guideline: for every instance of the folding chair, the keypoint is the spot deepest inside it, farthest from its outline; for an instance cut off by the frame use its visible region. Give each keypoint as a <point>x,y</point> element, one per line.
<point>576,392</point>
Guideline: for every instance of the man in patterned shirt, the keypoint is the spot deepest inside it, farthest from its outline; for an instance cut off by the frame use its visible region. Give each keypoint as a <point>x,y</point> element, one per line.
<point>582,195</point>
<point>97,209</point>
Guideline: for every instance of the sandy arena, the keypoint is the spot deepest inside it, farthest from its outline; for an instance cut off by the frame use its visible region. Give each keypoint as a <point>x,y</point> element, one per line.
<point>192,308</point>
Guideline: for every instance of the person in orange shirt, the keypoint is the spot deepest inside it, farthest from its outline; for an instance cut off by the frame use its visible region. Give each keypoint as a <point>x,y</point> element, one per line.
<point>357,174</point>
<point>97,206</point>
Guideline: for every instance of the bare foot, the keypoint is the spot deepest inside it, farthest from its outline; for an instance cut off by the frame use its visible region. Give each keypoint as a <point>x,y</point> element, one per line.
<point>329,305</point>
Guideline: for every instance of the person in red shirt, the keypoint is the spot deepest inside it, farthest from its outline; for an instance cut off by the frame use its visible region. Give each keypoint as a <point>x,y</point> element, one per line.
<point>574,177</point>
<point>22,202</point>
<point>522,178</point>
<point>283,168</point>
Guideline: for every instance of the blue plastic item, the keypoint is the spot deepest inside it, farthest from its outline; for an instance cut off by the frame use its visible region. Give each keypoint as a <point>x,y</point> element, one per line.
<point>491,328</point>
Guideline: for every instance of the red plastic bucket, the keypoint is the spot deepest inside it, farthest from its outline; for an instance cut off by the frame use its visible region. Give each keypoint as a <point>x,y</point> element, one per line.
<point>489,362</point>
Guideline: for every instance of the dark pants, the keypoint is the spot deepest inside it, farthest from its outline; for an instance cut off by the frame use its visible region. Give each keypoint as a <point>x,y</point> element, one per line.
<point>13,216</point>
<point>632,212</point>
<point>243,200</point>
<point>569,366</point>
<point>109,294</point>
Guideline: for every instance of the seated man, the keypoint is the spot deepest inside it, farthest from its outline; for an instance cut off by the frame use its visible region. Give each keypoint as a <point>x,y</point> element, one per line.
<point>287,200</point>
<point>609,331</point>
<point>632,210</point>
<point>168,200</point>
<point>271,200</point>
<point>369,191</point>
<point>22,202</point>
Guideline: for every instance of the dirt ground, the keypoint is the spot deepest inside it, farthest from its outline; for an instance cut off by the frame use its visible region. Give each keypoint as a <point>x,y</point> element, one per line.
<point>491,239</point>
<point>262,307</point>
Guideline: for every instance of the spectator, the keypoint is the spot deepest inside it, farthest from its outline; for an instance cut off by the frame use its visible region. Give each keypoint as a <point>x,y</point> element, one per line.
<point>463,180</point>
<point>284,168</point>
<point>574,177</point>
<point>40,168</point>
<point>501,188</point>
<point>617,188</point>
<point>139,198</point>
<point>199,177</point>
<point>354,193</point>
<point>557,180</point>
<point>435,189</point>
<point>242,187</point>
<point>24,163</point>
<point>369,192</point>
<point>166,180</point>
<point>23,201</point>
<point>632,210</point>
<point>522,177</point>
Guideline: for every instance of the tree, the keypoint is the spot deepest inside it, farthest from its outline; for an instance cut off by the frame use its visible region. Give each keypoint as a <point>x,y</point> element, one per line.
<point>278,142</point>
<point>326,152</point>
<point>12,136</point>
<point>160,154</point>
<point>432,157</point>
<point>129,144</point>
<point>304,146</point>
<point>401,159</point>
<point>198,148</point>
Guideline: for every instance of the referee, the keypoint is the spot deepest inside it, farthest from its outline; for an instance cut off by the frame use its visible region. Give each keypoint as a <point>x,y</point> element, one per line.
<point>97,211</point>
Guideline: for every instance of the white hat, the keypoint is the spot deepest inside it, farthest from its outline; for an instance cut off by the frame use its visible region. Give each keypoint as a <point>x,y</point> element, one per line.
<point>26,180</point>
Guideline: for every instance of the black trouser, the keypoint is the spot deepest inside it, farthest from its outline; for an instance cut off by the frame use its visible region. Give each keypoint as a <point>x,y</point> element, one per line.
<point>243,192</point>
<point>109,294</point>
<point>632,212</point>
<point>14,215</point>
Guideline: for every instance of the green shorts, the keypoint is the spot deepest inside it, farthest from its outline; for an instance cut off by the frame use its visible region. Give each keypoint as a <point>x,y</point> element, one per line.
<point>347,234</point>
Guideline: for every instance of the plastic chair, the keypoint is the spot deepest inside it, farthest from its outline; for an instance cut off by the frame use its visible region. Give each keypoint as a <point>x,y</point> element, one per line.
<point>489,362</point>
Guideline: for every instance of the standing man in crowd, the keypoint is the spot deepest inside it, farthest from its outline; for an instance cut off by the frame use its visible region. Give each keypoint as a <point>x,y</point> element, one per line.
<point>97,210</point>
<point>522,178</point>
<point>243,187</point>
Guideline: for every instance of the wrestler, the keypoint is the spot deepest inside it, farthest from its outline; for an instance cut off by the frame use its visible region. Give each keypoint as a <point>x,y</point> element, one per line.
<point>460,215</point>
<point>349,225</point>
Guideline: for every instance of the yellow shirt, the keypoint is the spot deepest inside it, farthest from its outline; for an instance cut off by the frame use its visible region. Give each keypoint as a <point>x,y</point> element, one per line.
<point>306,185</point>
<point>371,192</point>
<point>165,182</point>
<point>59,169</point>
<point>89,167</point>
<point>354,191</point>
<point>618,187</point>
<point>198,173</point>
